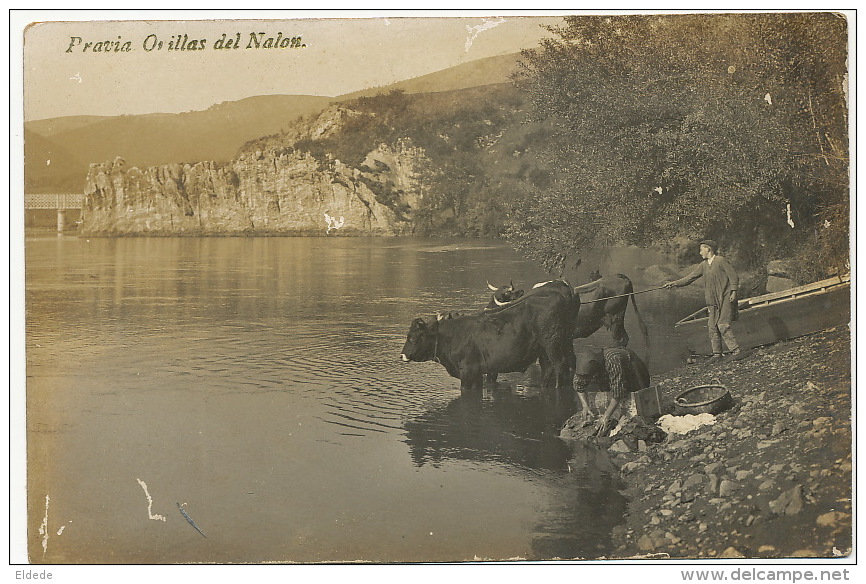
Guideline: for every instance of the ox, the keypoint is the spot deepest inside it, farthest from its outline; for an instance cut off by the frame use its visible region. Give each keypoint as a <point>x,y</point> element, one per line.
<point>595,308</point>
<point>610,313</point>
<point>502,295</point>
<point>504,340</point>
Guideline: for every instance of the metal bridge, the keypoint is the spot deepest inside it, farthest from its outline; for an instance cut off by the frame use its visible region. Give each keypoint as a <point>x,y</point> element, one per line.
<point>61,202</point>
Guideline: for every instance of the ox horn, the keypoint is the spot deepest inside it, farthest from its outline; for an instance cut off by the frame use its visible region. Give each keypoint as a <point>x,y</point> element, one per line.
<point>511,285</point>
<point>496,300</point>
<point>491,286</point>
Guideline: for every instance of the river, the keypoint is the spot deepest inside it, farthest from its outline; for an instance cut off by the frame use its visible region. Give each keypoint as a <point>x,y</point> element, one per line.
<point>256,384</point>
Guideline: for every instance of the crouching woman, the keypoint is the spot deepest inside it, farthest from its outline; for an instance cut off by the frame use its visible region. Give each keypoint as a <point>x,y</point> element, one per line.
<point>615,370</point>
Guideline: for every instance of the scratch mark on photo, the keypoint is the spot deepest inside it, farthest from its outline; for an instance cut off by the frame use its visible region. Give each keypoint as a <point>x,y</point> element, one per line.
<point>43,528</point>
<point>333,222</point>
<point>479,28</point>
<point>150,514</point>
<point>189,519</point>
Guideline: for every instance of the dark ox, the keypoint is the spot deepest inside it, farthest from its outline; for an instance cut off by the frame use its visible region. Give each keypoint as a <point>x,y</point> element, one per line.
<point>595,308</point>
<point>503,340</point>
<point>611,313</point>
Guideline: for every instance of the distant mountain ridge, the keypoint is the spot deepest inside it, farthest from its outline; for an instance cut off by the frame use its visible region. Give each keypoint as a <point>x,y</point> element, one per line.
<point>489,71</point>
<point>153,139</point>
<point>58,151</point>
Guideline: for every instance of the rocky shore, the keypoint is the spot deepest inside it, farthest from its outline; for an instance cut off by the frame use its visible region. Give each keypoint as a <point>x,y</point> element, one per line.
<point>770,477</point>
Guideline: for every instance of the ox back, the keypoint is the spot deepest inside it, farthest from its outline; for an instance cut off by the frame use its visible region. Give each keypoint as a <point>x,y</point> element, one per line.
<point>611,313</point>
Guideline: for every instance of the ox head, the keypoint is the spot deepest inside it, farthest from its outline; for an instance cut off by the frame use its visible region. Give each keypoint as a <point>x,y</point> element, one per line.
<point>503,295</point>
<point>420,342</point>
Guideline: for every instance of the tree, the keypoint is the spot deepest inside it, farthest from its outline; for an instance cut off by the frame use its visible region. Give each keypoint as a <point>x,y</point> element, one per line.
<point>696,125</point>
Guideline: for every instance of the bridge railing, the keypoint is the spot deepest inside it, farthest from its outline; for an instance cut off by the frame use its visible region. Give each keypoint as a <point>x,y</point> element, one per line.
<point>53,201</point>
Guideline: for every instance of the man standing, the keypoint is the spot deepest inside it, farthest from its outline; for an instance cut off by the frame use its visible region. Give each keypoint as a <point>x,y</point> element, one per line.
<point>616,370</point>
<point>720,292</point>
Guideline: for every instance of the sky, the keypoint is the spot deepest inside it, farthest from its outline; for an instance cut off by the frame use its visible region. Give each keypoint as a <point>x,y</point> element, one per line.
<point>64,75</point>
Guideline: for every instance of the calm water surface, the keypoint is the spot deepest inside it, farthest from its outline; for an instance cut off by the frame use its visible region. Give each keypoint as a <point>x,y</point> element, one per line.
<point>257,383</point>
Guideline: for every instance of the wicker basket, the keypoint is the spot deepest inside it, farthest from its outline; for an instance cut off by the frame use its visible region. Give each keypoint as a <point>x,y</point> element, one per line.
<point>704,399</point>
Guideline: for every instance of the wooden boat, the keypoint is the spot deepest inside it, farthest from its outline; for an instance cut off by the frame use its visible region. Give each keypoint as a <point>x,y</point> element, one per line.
<point>777,316</point>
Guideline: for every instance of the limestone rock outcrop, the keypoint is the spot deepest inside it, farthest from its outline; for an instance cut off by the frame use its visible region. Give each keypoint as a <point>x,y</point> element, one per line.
<point>281,191</point>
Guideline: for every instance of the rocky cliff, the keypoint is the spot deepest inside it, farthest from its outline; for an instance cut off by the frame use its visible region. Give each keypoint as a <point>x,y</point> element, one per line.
<point>273,190</point>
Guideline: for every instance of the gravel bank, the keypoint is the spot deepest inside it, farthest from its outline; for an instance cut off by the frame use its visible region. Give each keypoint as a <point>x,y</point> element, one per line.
<point>769,478</point>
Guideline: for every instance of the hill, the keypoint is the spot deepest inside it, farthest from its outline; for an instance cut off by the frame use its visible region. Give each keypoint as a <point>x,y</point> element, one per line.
<point>489,71</point>
<point>214,134</point>
<point>53,126</point>
<point>147,140</point>
<point>474,155</point>
<point>51,167</point>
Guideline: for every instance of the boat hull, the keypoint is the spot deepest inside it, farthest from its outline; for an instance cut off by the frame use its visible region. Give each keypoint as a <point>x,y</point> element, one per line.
<point>777,319</point>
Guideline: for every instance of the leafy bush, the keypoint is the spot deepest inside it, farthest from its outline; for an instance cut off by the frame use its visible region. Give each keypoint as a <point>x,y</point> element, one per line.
<point>658,136</point>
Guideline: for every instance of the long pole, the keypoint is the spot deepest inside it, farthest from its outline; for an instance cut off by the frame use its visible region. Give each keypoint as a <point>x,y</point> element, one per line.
<point>619,295</point>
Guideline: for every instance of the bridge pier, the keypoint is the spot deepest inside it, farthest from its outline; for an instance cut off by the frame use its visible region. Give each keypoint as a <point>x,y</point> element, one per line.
<point>60,203</point>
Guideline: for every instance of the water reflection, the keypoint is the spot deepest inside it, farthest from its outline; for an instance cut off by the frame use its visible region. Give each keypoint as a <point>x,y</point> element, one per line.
<point>516,427</point>
<point>503,426</point>
<point>579,522</point>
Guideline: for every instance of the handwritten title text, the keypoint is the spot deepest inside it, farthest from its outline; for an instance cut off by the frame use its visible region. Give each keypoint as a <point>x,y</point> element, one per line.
<point>182,42</point>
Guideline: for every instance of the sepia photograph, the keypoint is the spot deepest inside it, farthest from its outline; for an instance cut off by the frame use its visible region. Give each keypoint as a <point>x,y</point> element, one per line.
<point>452,287</point>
